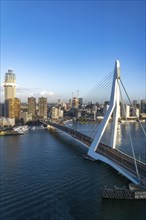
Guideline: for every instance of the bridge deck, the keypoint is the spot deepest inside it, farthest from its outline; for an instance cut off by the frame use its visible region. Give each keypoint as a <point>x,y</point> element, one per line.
<point>114,155</point>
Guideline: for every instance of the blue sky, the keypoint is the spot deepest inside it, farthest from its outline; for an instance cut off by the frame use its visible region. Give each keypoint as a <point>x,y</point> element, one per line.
<point>58,47</point>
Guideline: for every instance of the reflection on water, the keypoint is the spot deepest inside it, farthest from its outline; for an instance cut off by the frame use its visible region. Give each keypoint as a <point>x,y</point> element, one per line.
<point>123,139</point>
<point>119,135</point>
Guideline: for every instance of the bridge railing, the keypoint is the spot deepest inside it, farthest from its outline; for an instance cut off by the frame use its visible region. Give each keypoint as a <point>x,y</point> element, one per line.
<point>114,155</point>
<point>76,134</point>
<point>123,160</point>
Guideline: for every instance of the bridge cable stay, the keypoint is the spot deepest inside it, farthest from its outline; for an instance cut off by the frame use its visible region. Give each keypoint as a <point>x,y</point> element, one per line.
<point>99,84</point>
<point>114,107</point>
<point>103,88</point>
<point>129,132</point>
<point>103,85</point>
<point>100,90</point>
<point>96,144</point>
<point>104,92</point>
<point>98,150</point>
<point>100,101</point>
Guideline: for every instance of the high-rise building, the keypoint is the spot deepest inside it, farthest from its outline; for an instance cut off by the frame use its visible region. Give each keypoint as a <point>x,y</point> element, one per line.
<point>134,103</point>
<point>135,112</point>
<point>80,102</point>
<point>56,113</point>
<point>42,104</point>
<point>1,109</point>
<point>32,106</point>
<point>60,102</point>
<point>125,113</point>
<point>75,102</point>
<point>25,117</point>
<point>10,85</point>
<point>143,106</point>
<point>7,121</point>
<point>106,107</point>
<point>9,90</point>
<point>70,102</point>
<point>13,108</point>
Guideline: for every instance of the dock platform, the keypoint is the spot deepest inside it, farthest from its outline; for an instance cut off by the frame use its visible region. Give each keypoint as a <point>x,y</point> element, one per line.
<point>123,194</point>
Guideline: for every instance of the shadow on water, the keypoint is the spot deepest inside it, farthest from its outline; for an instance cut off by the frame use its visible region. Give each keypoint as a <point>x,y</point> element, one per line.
<point>78,149</point>
<point>68,141</point>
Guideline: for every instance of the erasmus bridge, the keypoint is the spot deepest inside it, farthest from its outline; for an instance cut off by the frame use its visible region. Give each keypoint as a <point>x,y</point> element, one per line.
<point>130,167</point>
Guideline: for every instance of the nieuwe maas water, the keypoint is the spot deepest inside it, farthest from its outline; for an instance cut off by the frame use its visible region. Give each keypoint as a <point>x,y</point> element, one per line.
<point>44,176</point>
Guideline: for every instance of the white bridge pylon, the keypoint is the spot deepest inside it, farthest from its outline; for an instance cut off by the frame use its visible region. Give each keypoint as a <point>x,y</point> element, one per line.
<point>113,108</point>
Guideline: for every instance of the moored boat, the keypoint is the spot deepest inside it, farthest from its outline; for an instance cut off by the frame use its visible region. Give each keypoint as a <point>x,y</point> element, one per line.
<point>87,157</point>
<point>10,132</point>
<point>21,128</point>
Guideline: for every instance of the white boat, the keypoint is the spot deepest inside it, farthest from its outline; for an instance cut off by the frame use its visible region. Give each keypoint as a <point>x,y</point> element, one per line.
<point>33,128</point>
<point>21,128</point>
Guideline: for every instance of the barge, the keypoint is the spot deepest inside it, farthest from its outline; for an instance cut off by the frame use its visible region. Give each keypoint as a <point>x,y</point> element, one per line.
<point>122,193</point>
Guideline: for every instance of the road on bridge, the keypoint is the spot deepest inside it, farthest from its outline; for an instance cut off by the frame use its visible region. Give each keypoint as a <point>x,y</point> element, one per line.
<point>116,156</point>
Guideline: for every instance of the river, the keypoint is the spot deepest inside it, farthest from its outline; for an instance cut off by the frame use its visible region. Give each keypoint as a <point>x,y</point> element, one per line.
<point>44,176</point>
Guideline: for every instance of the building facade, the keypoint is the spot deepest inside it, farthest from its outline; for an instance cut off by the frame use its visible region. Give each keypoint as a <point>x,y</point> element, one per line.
<point>42,107</point>
<point>75,102</point>
<point>32,106</point>
<point>80,102</point>
<point>143,106</point>
<point>10,85</point>
<point>57,113</point>
<point>25,116</point>
<point>125,113</point>
<point>13,108</point>
<point>7,121</point>
<point>9,91</point>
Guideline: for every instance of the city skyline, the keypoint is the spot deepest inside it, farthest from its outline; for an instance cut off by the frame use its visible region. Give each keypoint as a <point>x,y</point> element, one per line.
<point>61,47</point>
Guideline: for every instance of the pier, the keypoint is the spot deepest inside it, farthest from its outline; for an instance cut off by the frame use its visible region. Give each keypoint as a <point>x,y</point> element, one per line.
<point>123,194</point>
